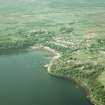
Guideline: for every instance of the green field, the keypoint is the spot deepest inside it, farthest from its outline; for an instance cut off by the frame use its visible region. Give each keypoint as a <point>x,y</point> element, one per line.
<point>76,29</point>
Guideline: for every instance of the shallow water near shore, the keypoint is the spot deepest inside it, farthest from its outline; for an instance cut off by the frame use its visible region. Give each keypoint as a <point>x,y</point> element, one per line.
<point>25,81</point>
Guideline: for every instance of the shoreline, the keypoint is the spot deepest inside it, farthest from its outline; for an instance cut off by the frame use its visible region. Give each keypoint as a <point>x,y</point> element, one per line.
<point>53,59</point>
<point>77,82</point>
<point>56,56</point>
<point>45,48</point>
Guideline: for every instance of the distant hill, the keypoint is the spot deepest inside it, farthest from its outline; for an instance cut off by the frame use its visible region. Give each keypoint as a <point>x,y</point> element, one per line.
<point>17,6</point>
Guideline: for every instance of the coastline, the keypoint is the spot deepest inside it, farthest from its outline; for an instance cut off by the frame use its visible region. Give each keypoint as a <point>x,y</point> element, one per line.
<point>54,58</point>
<point>49,66</point>
<point>45,48</point>
<point>53,51</point>
<point>78,83</point>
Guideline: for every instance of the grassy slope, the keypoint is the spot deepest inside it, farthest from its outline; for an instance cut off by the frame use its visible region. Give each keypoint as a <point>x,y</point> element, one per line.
<point>76,29</point>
